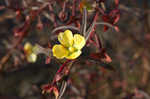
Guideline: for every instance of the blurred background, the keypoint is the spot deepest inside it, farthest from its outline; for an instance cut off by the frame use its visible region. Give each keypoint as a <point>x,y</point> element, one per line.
<point>129,50</point>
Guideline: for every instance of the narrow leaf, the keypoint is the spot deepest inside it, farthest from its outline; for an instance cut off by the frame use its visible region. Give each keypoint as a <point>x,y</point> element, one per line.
<point>84,22</point>
<point>63,88</point>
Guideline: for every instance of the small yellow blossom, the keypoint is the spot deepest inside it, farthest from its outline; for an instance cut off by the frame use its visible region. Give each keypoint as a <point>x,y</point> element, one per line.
<point>30,55</point>
<point>70,46</point>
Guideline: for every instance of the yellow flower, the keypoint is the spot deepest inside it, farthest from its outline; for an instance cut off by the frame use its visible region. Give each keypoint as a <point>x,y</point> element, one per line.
<point>70,46</point>
<point>30,55</point>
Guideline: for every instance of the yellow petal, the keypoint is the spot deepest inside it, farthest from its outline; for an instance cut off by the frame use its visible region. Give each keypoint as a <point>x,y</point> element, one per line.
<point>79,41</point>
<point>28,48</point>
<point>71,49</point>
<point>59,51</point>
<point>74,55</point>
<point>32,58</point>
<point>66,38</point>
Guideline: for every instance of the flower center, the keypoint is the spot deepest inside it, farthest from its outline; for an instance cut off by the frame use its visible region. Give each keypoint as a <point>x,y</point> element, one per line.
<point>71,49</point>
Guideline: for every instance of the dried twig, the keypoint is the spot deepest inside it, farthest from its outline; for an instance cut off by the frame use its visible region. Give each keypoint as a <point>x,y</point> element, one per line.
<point>62,90</point>
<point>65,27</point>
<point>84,22</point>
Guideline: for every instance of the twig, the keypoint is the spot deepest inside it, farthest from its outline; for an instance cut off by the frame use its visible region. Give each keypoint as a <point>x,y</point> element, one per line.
<point>65,27</point>
<point>84,22</point>
<point>97,23</point>
<point>89,31</point>
<point>104,23</point>
<point>62,90</point>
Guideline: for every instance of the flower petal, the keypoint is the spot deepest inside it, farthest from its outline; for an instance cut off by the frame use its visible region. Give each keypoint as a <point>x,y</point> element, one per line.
<point>28,48</point>
<point>59,51</point>
<point>79,41</point>
<point>66,38</point>
<point>74,55</point>
<point>32,58</point>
